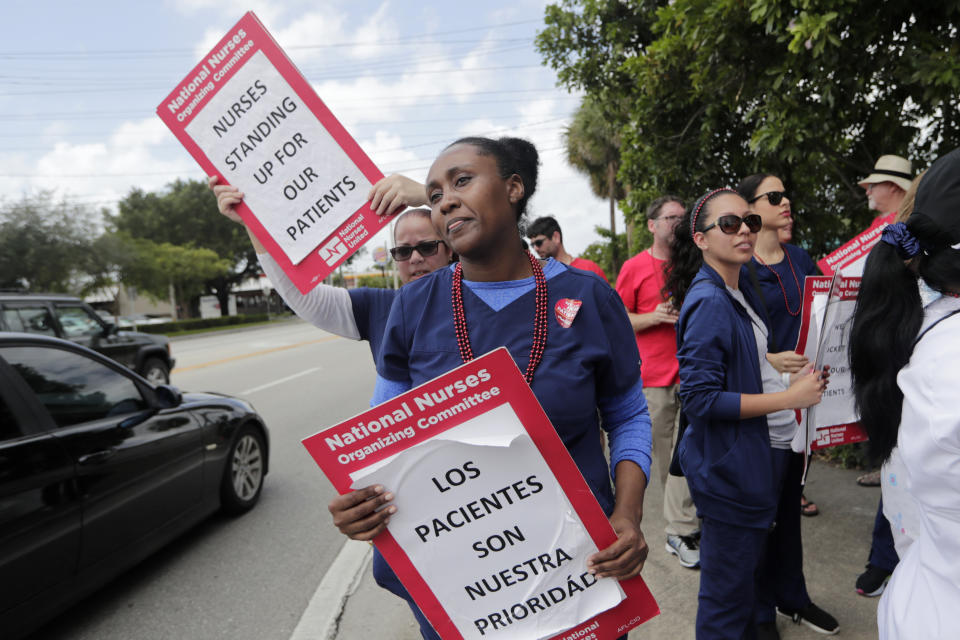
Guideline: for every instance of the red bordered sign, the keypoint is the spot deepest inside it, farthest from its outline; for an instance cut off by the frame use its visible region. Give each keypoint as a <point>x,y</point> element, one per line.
<point>824,350</point>
<point>851,257</point>
<point>494,521</point>
<point>247,115</point>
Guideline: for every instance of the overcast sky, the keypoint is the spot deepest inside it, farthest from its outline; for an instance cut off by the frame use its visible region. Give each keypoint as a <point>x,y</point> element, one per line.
<point>80,83</point>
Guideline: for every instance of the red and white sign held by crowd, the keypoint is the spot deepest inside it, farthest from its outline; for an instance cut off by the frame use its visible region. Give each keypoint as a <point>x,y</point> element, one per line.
<point>247,115</point>
<point>494,523</point>
<point>828,305</point>
<point>851,257</point>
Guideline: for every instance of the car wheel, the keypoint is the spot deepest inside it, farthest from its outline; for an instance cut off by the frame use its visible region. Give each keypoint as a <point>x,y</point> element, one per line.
<point>243,475</point>
<point>155,371</point>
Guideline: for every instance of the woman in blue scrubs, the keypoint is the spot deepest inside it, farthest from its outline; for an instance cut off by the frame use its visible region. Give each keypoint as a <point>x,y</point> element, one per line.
<point>725,452</point>
<point>583,369</point>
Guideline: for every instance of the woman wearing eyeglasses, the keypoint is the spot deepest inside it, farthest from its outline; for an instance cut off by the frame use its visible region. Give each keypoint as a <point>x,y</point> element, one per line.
<point>361,313</point>
<point>725,452</point>
<point>776,275</point>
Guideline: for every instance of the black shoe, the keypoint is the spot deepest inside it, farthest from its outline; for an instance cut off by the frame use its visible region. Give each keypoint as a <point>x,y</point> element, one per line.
<point>814,617</point>
<point>767,631</point>
<point>872,581</point>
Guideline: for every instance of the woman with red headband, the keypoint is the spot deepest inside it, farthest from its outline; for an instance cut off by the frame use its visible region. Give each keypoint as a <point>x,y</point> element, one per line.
<point>776,274</point>
<point>725,451</point>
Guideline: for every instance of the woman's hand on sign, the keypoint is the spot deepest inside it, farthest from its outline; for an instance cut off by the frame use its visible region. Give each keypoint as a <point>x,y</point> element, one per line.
<point>787,361</point>
<point>624,558</point>
<point>228,197</point>
<point>396,192</point>
<point>807,389</point>
<point>362,514</point>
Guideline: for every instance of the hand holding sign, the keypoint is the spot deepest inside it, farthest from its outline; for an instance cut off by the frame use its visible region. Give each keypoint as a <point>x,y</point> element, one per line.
<point>787,361</point>
<point>362,514</point>
<point>807,390</point>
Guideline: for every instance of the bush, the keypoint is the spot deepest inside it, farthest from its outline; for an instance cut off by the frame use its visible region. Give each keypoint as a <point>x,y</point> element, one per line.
<point>376,282</point>
<point>848,456</point>
<point>202,323</point>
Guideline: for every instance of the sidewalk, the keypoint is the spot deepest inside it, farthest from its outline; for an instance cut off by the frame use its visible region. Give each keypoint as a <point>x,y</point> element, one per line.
<point>836,545</point>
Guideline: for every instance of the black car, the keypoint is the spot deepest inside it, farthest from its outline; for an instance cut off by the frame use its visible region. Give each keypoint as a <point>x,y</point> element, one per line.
<point>72,319</point>
<point>99,468</point>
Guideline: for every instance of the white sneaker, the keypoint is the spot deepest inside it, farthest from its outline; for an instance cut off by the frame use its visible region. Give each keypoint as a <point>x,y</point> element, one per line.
<point>686,549</point>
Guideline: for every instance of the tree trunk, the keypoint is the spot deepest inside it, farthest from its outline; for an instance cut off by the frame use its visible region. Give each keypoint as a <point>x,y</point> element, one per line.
<point>612,191</point>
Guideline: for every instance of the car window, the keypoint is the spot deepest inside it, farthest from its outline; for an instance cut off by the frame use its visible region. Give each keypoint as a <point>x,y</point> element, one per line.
<point>8,426</point>
<point>77,321</point>
<point>29,320</point>
<point>73,387</point>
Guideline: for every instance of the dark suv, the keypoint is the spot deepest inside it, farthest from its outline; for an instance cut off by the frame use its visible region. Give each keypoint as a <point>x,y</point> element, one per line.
<point>72,319</point>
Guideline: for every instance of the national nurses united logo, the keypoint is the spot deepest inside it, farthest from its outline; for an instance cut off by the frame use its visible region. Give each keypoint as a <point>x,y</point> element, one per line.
<point>333,251</point>
<point>566,310</point>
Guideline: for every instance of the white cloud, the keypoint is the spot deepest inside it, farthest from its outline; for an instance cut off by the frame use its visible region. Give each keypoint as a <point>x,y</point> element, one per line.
<point>379,27</point>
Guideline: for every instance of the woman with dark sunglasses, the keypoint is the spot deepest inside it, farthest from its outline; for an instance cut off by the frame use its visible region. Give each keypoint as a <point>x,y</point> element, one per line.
<point>776,275</point>
<point>566,329</point>
<point>361,313</point>
<point>725,451</point>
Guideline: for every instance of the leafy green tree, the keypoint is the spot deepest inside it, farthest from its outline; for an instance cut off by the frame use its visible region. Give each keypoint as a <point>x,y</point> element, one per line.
<point>592,142</point>
<point>46,244</point>
<point>185,215</point>
<point>811,90</point>
<point>602,252</point>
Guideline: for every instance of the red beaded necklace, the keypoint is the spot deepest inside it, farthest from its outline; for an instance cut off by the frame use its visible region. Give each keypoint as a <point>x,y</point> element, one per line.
<point>786,301</point>
<point>539,320</point>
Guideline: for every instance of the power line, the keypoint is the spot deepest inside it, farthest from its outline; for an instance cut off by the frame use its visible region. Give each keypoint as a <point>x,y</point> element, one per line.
<point>167,52</point>
<point>112,79</point>
<point>136,88</point>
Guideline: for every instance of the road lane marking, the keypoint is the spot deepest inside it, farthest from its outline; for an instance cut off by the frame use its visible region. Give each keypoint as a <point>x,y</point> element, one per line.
<point>321,618</point>
<point>276,382</point>
<point>253,354</point>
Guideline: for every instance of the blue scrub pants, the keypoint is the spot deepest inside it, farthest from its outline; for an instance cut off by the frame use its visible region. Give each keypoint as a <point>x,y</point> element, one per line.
<point>781,580</point>
<point>730,563</point>
<point>883,554</point>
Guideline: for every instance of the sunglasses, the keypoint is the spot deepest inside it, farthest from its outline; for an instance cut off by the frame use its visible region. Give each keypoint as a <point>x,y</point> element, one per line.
<point>773,197</point>
<point>536,243</point>
<point>730,223</point>
<point>425,249</point>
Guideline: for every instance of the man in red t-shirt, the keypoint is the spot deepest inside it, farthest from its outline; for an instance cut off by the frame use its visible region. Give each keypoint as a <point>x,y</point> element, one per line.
<point>640,285</point>
<point>547,240</point>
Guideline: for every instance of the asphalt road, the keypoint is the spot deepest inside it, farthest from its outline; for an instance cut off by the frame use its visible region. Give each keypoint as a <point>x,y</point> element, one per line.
<point>249,577</point>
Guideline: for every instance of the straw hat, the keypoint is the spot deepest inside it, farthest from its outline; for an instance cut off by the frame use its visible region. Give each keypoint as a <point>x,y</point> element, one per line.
<point>893,169</point>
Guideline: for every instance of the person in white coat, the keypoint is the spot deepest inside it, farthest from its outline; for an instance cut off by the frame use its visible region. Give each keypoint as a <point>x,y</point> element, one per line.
<point>905,360</point>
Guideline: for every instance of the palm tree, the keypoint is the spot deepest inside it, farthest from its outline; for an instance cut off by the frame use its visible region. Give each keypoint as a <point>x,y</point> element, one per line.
<point>593,147</point>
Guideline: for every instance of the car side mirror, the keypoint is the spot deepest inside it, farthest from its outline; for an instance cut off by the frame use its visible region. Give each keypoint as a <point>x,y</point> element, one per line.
<point>169,396</point>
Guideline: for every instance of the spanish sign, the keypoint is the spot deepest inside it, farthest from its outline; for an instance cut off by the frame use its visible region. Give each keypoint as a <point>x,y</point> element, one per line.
<point>247,115</point>
<point>494,523</point>
<point>851,257</point>
<point>828,305</point>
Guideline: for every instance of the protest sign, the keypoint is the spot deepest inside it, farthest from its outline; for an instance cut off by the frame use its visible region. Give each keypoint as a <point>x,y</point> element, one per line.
<point>248,116</point>
<point>828,305</point>
<point>850,258</point>
<point>494,522</point>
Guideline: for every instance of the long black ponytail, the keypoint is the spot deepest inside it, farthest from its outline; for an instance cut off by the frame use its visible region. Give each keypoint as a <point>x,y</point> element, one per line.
<point>889,310</point>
